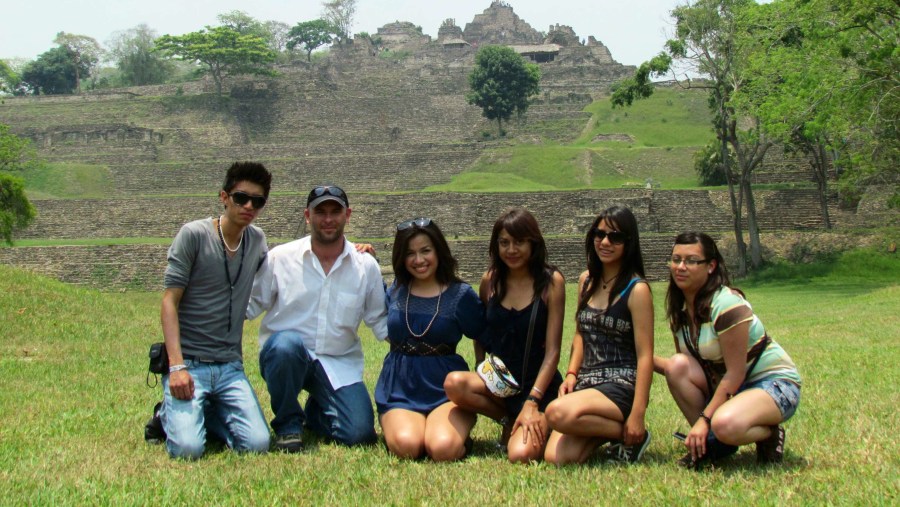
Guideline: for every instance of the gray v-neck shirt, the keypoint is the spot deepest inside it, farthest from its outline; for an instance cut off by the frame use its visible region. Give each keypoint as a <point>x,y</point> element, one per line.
<point>196,263</point>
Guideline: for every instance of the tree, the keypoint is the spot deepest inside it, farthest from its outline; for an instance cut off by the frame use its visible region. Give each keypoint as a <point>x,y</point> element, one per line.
<point>85,53</point>
<point>866,36</point>
<point>9,79</point>
<point>310,35</point>
<point>794,84</point>
<point>339,13</point>
<point>16,212</point>
<point>16,153</point>
<point>704,41</point>
<point>502,83</point>
<point>133,52</point>
<point>708,165</point>
<point>222,50</point>
<point>277,35</point>
<point>52,72</point>
<point>243,23</point>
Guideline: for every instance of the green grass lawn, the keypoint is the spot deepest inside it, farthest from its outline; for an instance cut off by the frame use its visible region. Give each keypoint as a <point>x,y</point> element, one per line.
<point>73,405</point>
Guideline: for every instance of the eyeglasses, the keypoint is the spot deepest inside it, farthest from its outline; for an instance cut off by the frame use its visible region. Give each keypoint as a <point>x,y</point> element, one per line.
<point>615,237</point>
<point>418,222</point>
<point>690,262</point>
<point>241,198</point>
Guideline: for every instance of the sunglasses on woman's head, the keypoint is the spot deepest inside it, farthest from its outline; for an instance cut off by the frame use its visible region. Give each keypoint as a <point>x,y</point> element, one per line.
<point>241,198</point>
<point>418,222</point>
<point>615,237</point>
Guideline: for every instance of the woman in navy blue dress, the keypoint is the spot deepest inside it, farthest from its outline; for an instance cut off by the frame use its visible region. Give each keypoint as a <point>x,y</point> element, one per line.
<point>429,311</point>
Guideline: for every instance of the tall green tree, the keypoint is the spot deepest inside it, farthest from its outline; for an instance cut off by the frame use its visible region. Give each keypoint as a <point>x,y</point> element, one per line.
<point>795,76</point>
<point>85,53</point>
<point>133,52</point>
<point>867,35</point>
<point>52,72</point>
<point>16,212</point>
<point>310,35</point>
<point>705,43</point>
<point>340,14</point>
<point>222,51</point>
<point>502,83</point>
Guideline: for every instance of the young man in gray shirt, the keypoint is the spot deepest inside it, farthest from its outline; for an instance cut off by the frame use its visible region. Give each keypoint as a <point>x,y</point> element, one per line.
<point>211,265</point>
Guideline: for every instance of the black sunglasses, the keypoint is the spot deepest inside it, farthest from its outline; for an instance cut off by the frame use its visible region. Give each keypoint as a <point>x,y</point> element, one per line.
<point>241,198</point>
<point>419,222</point>
<point>615,237</point>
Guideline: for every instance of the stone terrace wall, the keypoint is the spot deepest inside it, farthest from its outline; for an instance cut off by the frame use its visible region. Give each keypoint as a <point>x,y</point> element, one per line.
<point>459,215</point>
<point>141,267</point>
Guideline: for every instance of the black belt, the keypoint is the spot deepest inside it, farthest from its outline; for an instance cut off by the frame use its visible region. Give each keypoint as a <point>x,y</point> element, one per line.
<point>197,359</point>
<point>423,349</point>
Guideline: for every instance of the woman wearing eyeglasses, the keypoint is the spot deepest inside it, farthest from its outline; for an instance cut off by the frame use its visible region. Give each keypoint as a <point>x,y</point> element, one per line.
<point>518,278</point>
<point>607,386</point>
<point>733,383</point>
<point>429,310</point>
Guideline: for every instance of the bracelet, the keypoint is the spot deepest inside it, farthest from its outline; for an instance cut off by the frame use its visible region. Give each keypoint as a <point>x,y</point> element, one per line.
<point>534,388</point>
<point>570,372</point>
<point>532,398</point>
<point>705,418</point>
<point>177,367</point>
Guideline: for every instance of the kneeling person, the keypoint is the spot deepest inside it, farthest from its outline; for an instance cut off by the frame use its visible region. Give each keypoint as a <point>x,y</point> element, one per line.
<point>211,264</point>
<point>316,291</point>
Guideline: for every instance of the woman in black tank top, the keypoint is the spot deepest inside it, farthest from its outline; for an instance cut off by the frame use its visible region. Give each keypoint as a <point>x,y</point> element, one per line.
<point>518,278</point>
<point>607,385</point>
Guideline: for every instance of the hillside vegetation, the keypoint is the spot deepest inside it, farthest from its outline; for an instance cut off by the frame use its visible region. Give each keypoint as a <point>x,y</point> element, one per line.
<point>653,140</point>
<point>659,136</point>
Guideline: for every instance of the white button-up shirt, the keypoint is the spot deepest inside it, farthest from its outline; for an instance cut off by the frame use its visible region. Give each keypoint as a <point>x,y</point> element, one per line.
<point>325,309</point>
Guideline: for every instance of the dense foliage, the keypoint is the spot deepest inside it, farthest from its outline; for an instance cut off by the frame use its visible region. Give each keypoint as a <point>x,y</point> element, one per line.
<point>133,52</point>
<point>222,51</point>
<point>502,83</point>
<point>310,35</point>
<point>16,212</point>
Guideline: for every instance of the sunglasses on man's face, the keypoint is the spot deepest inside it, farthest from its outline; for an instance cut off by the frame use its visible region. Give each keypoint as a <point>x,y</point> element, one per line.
<point>241,198</point>
<point>419,222</point>
<point>615,237</point>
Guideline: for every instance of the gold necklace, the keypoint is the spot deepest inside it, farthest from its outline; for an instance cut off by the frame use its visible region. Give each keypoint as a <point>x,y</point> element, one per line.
<point>433,317</point>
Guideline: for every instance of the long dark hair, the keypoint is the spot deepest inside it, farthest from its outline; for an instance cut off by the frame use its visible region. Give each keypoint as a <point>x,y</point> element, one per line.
<point>519,223</point>
<point>621,219</point>
<point>678,318</point>
<point>446,268</point>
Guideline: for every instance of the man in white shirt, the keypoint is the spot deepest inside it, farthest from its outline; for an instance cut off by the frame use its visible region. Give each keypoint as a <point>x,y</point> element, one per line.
<point>316,290</point>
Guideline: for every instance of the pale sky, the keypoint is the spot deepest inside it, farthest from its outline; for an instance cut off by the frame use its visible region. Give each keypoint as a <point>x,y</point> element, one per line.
<point>634,30</point>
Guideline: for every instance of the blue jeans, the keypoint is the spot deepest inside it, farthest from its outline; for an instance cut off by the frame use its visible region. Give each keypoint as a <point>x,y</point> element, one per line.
<point>224,403</point>
<point>785,393</point>
<point>344,415</point>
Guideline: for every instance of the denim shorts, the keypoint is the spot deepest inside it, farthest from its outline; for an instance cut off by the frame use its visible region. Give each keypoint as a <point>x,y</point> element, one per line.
<point>785,393</point>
